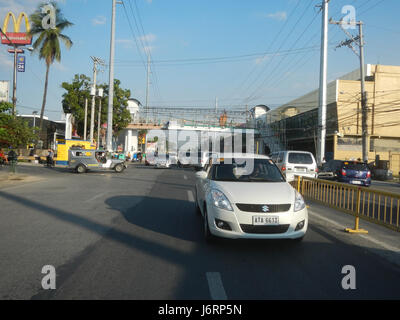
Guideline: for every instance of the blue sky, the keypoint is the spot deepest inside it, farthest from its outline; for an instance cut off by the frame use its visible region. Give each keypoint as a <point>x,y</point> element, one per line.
<point>217,48</point>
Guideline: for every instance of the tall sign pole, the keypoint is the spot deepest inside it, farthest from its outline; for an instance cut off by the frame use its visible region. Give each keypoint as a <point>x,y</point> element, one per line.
<point>111,81</point>
<point>15,39</point>
<point>322,84</point>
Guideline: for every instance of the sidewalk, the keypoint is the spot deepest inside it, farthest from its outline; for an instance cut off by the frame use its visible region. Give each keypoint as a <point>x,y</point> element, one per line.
<point>379,240</point>
<point>8,179</point>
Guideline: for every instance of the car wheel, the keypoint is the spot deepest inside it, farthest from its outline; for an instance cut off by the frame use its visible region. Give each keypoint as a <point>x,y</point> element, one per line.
<point>208,236</point>
<point>119,168</point>
<point>81,169</point>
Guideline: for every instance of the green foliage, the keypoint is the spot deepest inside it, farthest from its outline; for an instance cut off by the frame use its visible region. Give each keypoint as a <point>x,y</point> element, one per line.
<point>74,102</point>
<point>14,131</point>
<point>48,40</point>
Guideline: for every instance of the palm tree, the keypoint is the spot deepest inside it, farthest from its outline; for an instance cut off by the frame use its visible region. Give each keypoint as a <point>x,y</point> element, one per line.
<point>48,42</point>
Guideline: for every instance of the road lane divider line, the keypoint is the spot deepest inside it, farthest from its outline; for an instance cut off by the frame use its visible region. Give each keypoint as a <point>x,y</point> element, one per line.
<point>215,286</point>
<point>190,195</point>
<point>185,177</point>
<point>96,197</point>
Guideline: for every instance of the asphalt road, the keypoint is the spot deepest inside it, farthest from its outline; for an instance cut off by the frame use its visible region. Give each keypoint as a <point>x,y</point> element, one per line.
<point>136,235</point>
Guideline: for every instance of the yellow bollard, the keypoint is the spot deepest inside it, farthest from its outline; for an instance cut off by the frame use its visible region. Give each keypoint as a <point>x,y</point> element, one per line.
<point>298,183</point>
<point>357,222</point>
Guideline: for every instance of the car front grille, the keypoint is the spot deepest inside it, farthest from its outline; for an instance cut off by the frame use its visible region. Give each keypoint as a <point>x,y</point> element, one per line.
<point>259,207</point>
<point>249,228</point>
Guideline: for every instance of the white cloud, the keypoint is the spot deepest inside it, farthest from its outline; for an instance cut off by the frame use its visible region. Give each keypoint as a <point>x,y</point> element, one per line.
<point>60,67</point>
<point>126,43</point>
<point>280,15</point>
<point>260,60</point>
<point>148,38</point>
<point>99,20</point>
<point>5,59</point>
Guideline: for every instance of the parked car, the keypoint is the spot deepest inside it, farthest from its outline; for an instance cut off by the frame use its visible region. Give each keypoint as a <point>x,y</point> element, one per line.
<point>237,200</point>
<point>292,163</point>
<point>353,172</point>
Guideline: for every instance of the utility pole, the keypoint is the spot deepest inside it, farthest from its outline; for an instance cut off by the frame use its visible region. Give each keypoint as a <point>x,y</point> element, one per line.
<point>322,84</point>
<point>85,124</point>
<point>359,41</point>
<point>96,61</point>
<point>111,81</point>
<point>93,93</point>
<point>147,84</point>
<point>99,118</point>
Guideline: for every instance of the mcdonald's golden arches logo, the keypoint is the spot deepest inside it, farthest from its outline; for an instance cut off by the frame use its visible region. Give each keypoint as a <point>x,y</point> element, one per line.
<point>16,37</point>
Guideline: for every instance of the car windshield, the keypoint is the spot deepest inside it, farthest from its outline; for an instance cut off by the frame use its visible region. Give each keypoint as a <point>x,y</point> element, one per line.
<point>240,170</point>
<point>300,158</point>
<point>355,166</point>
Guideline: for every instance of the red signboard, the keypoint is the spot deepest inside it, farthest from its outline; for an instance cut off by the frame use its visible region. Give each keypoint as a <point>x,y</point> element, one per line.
<point>16,37</point>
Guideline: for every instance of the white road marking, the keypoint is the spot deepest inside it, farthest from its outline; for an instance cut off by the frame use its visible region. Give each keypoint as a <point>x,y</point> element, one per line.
<point>367,237</point>
<point>185,177</point>
<point>190,195</point>
<point>215,286</point>
<point>96,196</point>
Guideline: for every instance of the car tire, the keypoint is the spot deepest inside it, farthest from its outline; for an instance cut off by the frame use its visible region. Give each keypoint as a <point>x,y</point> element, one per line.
<point>119,168</point>
<point>81,168</point>
<point>208,236</point>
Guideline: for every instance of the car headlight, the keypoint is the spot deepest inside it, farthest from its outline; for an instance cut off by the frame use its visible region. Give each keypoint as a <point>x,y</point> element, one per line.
<point>299,203</point>
<point>220,200</point>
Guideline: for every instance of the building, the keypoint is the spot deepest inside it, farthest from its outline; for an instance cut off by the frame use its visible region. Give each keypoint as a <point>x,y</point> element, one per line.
<point>295,124</point>
<point>51,130</point>
<point>127,140</point>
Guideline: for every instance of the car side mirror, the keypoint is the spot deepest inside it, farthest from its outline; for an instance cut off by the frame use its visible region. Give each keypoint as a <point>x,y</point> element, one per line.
<point>201,175</point>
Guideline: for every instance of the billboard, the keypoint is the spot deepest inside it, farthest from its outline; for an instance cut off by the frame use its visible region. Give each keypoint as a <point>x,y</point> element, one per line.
<point>16,37</point>
<point>4,90</point>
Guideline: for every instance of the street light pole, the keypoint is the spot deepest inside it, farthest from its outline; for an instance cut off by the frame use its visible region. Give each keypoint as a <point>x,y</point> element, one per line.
<point>322,85</point>
<point>111,80</point>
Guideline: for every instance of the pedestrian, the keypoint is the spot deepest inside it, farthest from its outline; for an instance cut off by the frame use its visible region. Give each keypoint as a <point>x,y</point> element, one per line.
<point>3,158</point>
<point>50,158</point>
<point>12,158</point>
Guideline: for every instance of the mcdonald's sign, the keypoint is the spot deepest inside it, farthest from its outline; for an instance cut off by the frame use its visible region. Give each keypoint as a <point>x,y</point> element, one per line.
<point>16,37</point>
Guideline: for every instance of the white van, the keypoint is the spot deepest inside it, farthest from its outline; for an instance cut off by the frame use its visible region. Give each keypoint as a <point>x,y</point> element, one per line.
<point>295,163</point>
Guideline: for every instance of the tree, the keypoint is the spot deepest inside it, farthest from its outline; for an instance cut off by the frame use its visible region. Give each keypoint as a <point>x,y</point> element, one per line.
<point>48,42</point>
<point>14,131</point>
<point>79,89</point>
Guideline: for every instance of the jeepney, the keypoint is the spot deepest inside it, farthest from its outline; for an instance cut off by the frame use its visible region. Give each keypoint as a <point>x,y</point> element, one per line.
<point>82,160</point>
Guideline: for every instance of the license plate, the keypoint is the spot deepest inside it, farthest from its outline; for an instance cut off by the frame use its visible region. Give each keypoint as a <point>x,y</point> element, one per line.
<point>265,221</point>
<point>300,169</point>
<point>356,182</point>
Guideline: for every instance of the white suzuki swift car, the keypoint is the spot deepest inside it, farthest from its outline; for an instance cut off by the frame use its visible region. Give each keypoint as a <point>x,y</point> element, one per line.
<point>246,196</point>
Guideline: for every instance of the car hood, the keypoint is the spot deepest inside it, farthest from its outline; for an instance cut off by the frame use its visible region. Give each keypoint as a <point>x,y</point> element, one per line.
<point>256,192</point>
